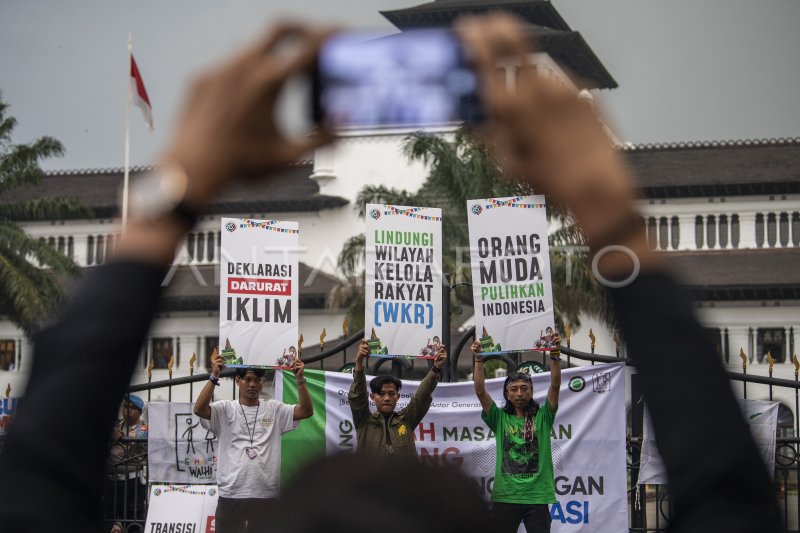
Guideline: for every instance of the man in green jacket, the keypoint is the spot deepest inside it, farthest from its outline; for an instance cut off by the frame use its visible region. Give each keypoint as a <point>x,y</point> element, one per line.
<point>384,431</point>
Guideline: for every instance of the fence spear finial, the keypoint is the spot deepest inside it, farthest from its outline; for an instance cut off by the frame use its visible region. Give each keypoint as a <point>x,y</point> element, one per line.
<point>300,341</point>
<point>150,366</point>
<point>770,360</point>
<point>345,327</point>
<point>192,361</point>
<point>796,365</point>
<point>171,364</point>
<point>8,391</point>
<point>567,333</point>
<point>617,341</point>
<point>322,339</point>
<point>744,358</point>
<point>592,338</point>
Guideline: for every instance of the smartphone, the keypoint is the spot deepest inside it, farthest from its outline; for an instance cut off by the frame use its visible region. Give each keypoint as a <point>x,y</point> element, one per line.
<point>412,79</point>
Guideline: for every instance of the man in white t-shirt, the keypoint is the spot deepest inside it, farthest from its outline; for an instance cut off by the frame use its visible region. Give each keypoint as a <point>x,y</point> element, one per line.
<point>249,431</point>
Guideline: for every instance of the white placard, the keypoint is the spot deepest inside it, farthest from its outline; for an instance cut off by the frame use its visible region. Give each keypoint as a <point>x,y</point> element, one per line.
<point>403,308</point>
<point>511,282</point>
<point>185,508</point>
<point>259,292</point>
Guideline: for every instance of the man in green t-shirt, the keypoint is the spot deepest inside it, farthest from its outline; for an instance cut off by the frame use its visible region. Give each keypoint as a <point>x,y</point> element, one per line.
<point>523,480</point>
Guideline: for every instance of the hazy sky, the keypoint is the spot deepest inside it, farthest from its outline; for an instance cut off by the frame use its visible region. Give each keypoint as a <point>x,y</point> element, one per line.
<point>687,69</point>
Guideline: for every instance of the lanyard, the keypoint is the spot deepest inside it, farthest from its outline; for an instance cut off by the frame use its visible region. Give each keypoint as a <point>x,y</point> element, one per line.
<point>251,432</point>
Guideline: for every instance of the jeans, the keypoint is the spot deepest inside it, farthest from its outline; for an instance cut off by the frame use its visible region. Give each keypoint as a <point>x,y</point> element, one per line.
<point>507,516</point>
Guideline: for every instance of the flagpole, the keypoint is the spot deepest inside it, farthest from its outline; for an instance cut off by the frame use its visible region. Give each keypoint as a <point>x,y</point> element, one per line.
<point>127,139</point>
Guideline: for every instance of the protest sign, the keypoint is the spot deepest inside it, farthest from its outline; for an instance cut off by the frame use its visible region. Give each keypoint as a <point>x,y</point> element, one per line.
<point>403,308</point>
<point>511,283</point>
<point>259,293</point>
<point>181,509</point>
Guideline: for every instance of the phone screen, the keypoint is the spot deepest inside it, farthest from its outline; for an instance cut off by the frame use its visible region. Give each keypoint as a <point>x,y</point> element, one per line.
<point>416,78</point>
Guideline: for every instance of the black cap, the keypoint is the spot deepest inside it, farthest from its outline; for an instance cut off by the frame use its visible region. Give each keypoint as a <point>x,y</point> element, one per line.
<point>378,381</point>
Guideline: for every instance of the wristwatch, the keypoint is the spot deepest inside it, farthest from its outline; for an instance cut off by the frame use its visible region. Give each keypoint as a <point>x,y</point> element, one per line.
<point>161,194</point>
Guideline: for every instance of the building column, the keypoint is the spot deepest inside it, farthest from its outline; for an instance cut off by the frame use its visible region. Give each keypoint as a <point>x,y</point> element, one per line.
<point>79,249</point>
<point>686,232</point>
<point>737,340</point>
<point>747,230</point>
<point>324,161</point>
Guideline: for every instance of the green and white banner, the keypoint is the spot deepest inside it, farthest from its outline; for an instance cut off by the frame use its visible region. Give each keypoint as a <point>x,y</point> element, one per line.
<point>403,307</point>
<point>511,283</point>
<point>588,438</point>
<point>259,292</point>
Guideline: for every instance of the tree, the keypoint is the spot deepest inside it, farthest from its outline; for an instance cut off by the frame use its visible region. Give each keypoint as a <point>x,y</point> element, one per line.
<point>29,288</point>
<point>462,168</point>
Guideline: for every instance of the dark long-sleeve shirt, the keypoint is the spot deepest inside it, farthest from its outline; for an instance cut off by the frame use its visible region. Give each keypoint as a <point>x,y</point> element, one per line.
<point>54,455</point>
<point>375,432</point>
<point>717,479</point>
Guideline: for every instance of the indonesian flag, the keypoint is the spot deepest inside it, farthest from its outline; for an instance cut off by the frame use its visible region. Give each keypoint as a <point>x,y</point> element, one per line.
<point>139,95</point>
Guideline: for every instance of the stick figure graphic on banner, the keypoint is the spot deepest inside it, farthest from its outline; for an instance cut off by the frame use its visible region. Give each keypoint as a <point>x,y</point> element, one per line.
<point>209,438</point>
<point>187,433</point>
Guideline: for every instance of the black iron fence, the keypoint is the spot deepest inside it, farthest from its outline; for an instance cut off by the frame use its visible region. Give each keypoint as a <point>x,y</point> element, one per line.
<point>649,505</point>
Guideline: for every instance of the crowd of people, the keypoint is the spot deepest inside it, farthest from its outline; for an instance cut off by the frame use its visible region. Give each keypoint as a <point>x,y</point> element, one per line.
<point>541,134</point>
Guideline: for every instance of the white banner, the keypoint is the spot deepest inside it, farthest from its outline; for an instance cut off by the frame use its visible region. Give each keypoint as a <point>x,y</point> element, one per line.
<point>511,283</point>
<point>761,416</point>
<point>181,508</point>
<point>179,449</point>
<point>588,444</point>
<point>403,308</point>
<point>259,293</point>
<point>8,408</point>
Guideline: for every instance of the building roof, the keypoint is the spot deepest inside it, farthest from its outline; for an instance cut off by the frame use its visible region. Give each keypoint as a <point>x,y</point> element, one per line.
<point>444,12</point>
<point>739,275</point>
<point>196,288</point>
<point>291,189</point>
<point>553,34</point>
<point>717,168</point>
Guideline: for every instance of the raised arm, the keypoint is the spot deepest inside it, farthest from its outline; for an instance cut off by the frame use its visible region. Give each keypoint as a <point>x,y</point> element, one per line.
<point>359,403</point>
<point>227,131</point>
<point>479,378</point>
<point>202,407</point>
<point>420,402</point>
<point>555,376</point>
<point>304,407</point>
<point>556,142</point>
